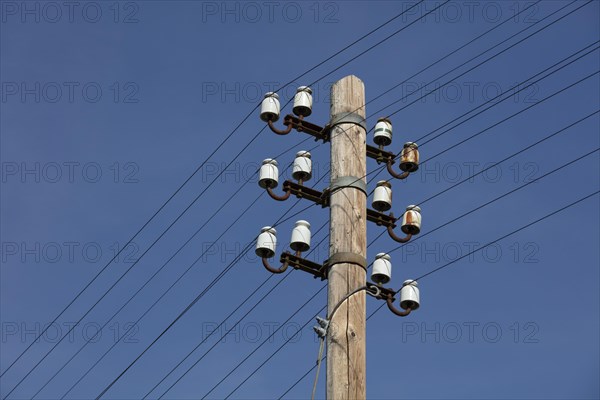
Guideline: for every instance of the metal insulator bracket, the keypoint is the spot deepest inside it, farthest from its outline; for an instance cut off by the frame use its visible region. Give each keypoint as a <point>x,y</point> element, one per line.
<point>317,270</point>
<point>381,293</point>
<point>304,192</point>
<point>318,132</point>
<point>381,219</point>
<point>380,155</point>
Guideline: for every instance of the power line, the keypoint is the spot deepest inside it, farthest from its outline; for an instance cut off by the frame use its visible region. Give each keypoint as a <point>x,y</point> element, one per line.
<point>452,262</point>
<point>510,18</point>
<point>159,270</point>
<point>567,14</point>
<point>380,169</point>
<point>556,93</point>
<point>488,59</point>
<point>488,108</point>
<point>382,42</point>
<point>198,169</point>
<point>182,313</point>
<point>234,325</point>
<point>215,280</point>
<point>458,259</point>
<point>507,194</point>
<point>429,232</point>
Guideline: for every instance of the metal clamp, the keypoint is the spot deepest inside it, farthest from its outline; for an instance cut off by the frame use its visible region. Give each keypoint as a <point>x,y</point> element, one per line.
<point>374,291</point>
<point>346,258</point>
<point>348,118</point>
<point>348,182</point>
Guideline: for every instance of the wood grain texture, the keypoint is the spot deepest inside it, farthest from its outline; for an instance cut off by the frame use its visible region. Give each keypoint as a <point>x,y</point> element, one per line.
<point>346,343</point>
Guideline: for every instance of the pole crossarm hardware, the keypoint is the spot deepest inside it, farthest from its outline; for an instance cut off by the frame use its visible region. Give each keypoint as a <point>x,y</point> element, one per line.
<point>347,265</point>
<point>301,192</point>
<point>288,259</point>
<point>380,155</point>
<point>299,124</point>
<point>324,133</point>
<point>382,293</point>
<point>376,291</point>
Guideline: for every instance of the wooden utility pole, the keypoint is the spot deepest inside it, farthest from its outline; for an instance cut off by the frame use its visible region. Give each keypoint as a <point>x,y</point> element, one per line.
<point>346,342</point>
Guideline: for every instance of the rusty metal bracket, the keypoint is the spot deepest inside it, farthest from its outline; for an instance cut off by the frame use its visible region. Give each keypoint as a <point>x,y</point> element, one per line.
<point>380,155</point>
<point>383,293</point>
<point>301,125</point>
<point>304,192</point>
<point>317,270</point>
<point>381,219</point>
<point>345,258</point>
<point>388,295</point>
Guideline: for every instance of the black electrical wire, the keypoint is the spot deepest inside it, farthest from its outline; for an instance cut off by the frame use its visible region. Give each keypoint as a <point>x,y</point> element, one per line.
<point>383,40</point>
<point>190,305</point>
<point>223,335</point>
<point>556,93</point>
<point>228,268</point>
<point>439,268</point>
<point>363,288</point>
<point>223,205</point>
<point>228,316</point>
<point>510,18</point>
<point>215,280</point>
<point>456,260</point>
<point>508,91</point>
<point>377,44</point>
<point>485,61</point>
<point>348,46</point>
<point>380,169</point>
<point>551,135</point>
<point>199,168</point>
<point>567,14</point>
<point>162,267</point>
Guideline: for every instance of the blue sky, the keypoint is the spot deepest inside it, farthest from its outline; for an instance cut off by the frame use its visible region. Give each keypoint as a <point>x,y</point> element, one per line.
<point>107,107</point>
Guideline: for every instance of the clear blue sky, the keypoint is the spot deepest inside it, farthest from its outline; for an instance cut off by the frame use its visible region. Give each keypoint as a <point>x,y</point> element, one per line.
<point>107,107</point>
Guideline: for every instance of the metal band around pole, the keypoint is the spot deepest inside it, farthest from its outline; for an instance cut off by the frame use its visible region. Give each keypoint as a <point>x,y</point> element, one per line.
<point>348,118</point>
<point>348,182</point>
<point>346,258</point>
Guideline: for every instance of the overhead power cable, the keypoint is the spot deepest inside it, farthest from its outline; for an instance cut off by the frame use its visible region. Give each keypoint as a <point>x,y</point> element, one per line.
<point>279,282</point>
<point>457,50</point>
<point>556,93</point>
<point>223,142</point>
<point>439,268</point>
<point>577,202</point>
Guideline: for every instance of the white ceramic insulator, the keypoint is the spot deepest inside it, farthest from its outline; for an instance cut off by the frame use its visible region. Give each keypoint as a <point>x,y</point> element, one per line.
<point>301,236</point>
<point>266,244</point>
<point>382,269</point>
<point>383,132</point>
<point>269,174</point>
<point>302,169</point>
<point>409,295</point>
<point>303,101</point>
<point>382,197</point>
<point>270,107</point>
